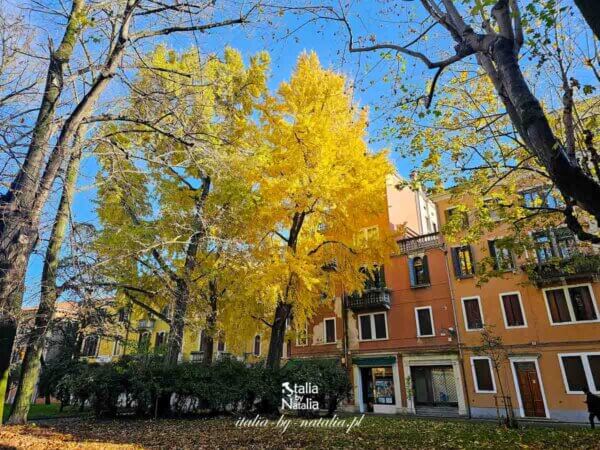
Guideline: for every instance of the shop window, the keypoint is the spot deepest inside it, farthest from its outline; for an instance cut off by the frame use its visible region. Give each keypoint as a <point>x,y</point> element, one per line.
<point>384,386</point>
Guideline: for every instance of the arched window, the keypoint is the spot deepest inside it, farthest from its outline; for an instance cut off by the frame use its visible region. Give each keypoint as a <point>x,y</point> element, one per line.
<point>419,271</point>
<point>144,342</point>
<point>257,345</point>
<point>90,346</point>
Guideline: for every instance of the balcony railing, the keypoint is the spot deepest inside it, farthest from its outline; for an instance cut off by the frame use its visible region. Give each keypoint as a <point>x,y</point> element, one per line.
<point>375,298</point>
<point>419,243</point>
<point>146,324</point>
<point>196,356</point>
<point>577,266</point>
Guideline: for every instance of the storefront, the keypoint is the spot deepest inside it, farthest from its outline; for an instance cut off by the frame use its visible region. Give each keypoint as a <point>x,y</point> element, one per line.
<point>433,382</point>
<point>377,384</point>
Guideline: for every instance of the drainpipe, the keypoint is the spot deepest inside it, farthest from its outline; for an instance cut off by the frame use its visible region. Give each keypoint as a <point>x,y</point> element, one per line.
<point>456,328</point>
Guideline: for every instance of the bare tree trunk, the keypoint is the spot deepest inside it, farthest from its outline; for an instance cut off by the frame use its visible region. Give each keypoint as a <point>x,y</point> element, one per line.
<point>21,207</point>
<point>591,13</point>
<point>282,312</point>
<point>18,223</point>
<point>30,368</point>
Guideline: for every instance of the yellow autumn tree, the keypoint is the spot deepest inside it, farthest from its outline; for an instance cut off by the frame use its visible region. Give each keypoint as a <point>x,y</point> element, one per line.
<point>318,187</point>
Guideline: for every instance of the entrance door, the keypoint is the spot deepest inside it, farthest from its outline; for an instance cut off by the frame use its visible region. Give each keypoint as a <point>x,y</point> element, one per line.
<point>530,389</point>
<point>366,375</point>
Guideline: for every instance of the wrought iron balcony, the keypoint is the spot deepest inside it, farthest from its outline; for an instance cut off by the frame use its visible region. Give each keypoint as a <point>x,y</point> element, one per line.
<point>420,243</point>
<point>146,324</point>
<point>577,266</point>
<point>374,298</point>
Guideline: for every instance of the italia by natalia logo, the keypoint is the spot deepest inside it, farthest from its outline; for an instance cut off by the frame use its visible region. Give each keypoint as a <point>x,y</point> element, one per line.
<point>297,396</point>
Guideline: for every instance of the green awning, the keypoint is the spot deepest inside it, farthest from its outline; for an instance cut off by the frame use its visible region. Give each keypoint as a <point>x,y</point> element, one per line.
<point>374,361</point>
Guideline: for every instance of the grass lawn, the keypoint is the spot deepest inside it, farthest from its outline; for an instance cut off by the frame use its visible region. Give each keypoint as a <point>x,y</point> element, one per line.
<point>373,432</point>
<point>38,411</point>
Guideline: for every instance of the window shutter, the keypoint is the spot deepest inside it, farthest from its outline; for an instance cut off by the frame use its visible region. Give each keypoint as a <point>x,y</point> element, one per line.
<point>456,262</point>
<point>411,271</point>
<point>470,250</point>
<point>492,247</point>
<point>426,269</point>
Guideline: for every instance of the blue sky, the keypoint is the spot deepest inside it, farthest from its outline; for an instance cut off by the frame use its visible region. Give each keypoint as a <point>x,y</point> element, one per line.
<point>328,40</point>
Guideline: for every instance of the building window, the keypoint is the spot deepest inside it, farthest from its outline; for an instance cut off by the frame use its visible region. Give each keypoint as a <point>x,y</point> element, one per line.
<point>483,375</point>
<point>461,220</point>
<point>257,345</point>
<point>424,317</point>
<point>493,207</point>
<point>143,342</point>
<point>383,378</point>
<point>329,330</point>
<point>462,260</point>
<point>160,340</point>
<point>123,314</point>
<point>419,271</point>
<point>302,336</point>
<point>372,326</point>
<point>502,256</point>
<point>554,243</point>
<point>540,197</point>
<point>580,371</point>
<point>472,313</point>
<point>571,304</point>
<point>512,310</point>
<point>118,348</point>
<point>90,346</point>
<point>221,346</point>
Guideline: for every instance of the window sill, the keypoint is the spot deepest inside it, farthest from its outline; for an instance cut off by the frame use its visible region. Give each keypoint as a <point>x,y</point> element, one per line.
<point>577,322</point>
<point>465,277</point>
<point>419,286</point>
<point>374,339</point>
<point>419,336</point>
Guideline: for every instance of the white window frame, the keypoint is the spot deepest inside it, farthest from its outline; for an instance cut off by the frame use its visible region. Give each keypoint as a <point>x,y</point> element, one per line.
<point>462,303</point>
<point>475,380</point>
<point>96,349</point>
<point>114,352</point>
<point>506,325</point>
<point>570,305</point>
<point>259,345</point>
<point>586,368</point>
<point>419,334</point>
<point>298,344</point>
<point>372,324</point>
<point>533,359</point>
<point>325,330</point>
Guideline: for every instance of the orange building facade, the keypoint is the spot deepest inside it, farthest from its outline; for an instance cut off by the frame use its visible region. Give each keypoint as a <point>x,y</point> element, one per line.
<point>547,320</point>
<point>412,342</point>
<point>398,339</point>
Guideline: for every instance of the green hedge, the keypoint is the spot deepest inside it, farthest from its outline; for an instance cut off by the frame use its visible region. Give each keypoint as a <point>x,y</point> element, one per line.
<point>146,386</point>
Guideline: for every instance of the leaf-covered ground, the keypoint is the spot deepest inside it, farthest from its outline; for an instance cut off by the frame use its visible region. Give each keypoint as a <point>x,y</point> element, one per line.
<point>374,432</point>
